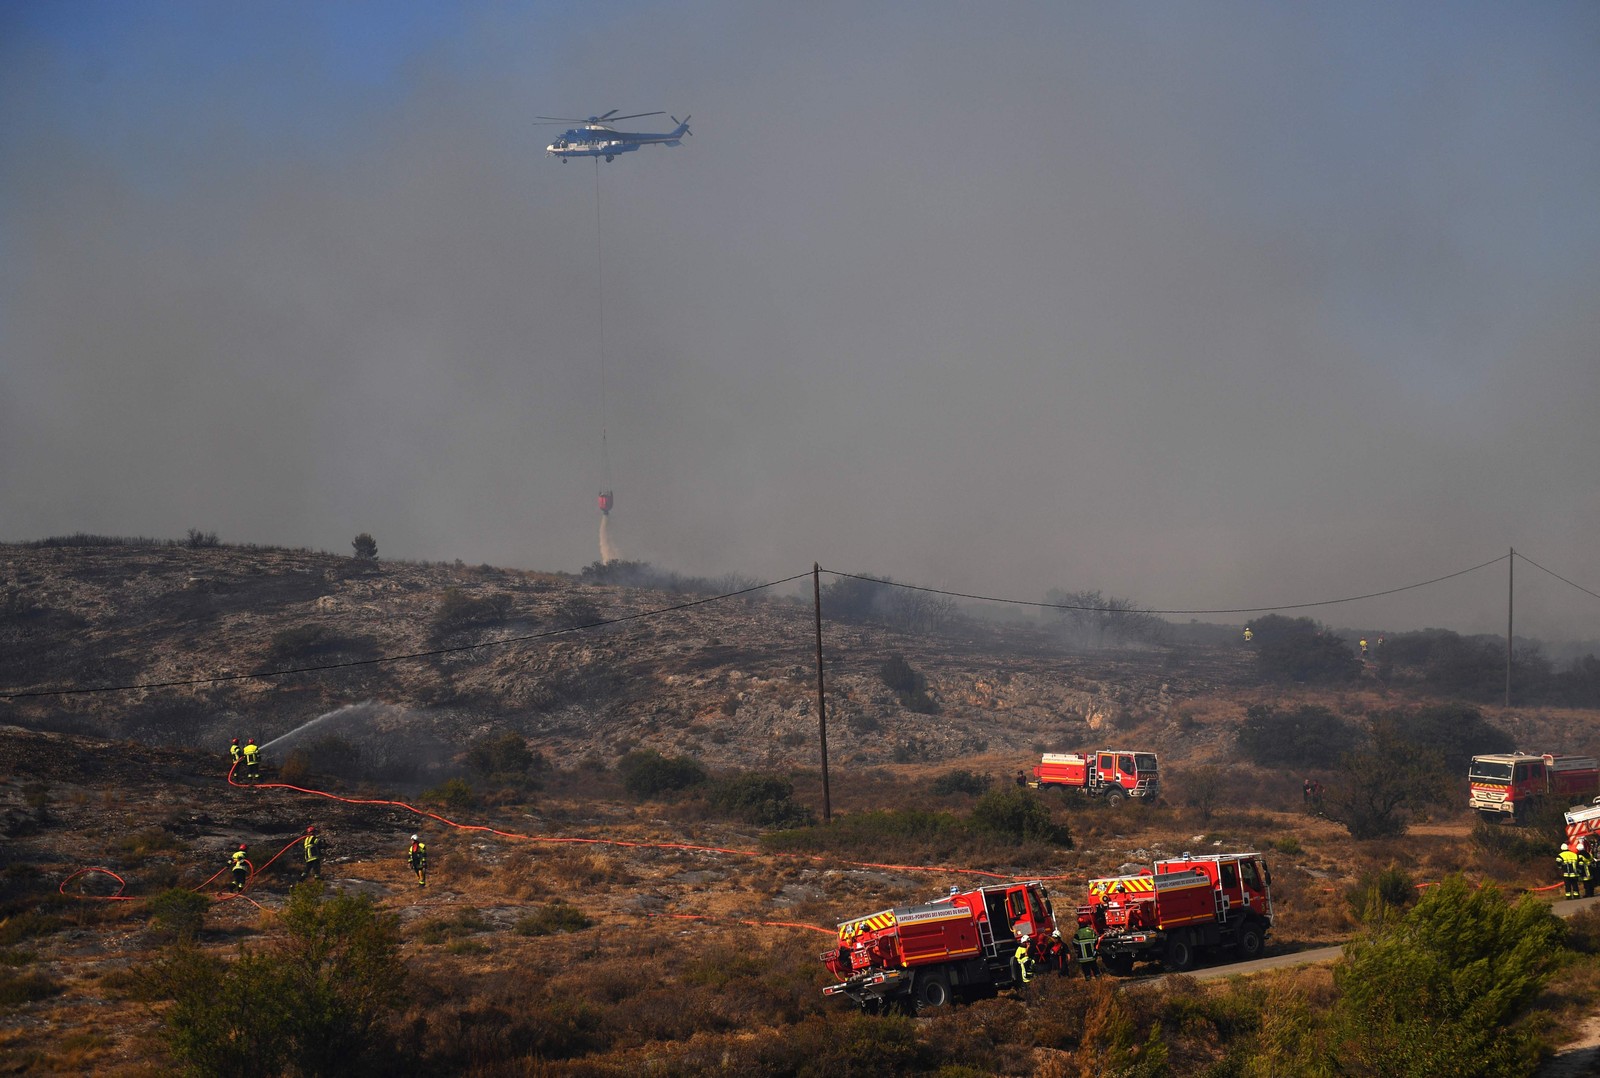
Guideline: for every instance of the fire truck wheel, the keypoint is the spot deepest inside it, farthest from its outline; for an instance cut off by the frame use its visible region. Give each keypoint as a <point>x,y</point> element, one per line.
<point>1180,952</point>
<point>1116,795</point>
<point>932,992</point>
<point>1249,945</point>
<point>1119,964</point>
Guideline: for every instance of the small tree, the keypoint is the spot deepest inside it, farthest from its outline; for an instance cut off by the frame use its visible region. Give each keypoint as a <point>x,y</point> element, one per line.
<point>1379,787</point>
<point>646,773</point>
<point>1017,815</point>
<point>1442,990</point>
<point>179,912</point>
<point>310,1002</point>
<point>365,546</point>
<point>1202,787</point>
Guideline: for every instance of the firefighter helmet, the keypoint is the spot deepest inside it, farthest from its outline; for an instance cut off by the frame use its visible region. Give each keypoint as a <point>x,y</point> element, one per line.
<point>1563,847</point>
<point>235,741</point>
<point>243,847</point>
<point>311,830</point>
<point>414,838</point>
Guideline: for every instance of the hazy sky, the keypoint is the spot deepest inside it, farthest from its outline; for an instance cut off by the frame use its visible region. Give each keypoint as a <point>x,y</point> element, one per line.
<point>1201,304</point>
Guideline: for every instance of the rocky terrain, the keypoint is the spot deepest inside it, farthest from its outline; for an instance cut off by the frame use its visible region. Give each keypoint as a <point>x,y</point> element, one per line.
<point>683,961</point>
<point>732,682</point>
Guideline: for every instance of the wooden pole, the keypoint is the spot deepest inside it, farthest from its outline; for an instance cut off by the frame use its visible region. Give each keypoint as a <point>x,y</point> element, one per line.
<point>1511,590</point>
<point>822,700</point>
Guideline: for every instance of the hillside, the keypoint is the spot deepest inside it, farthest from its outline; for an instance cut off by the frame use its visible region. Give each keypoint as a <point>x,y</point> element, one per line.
<point>597,931</point>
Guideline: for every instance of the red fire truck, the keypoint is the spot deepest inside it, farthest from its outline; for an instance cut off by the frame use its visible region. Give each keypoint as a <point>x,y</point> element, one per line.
<point>1188,905</point>
<point>1511,784</point>
<point>1583,834</point>
<point>1109,773</point>
<point>923,956</point>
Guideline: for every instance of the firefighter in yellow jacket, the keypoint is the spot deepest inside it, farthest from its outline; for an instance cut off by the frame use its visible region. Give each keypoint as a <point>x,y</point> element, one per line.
<point>313,847</point>
<point>417,858</point>
<point>239,863</point>
<point>1570,872</point>
<point>252,760</point>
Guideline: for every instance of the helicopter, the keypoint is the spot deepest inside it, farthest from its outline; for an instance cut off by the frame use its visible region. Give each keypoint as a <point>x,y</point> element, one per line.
<point>597,138</point>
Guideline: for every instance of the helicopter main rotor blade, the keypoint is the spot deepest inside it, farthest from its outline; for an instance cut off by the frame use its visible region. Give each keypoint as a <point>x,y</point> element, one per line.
<point>610,118</point>
<point>562,119</point>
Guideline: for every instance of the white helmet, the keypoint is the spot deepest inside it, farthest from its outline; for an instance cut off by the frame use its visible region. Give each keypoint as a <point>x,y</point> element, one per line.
<point>1023,938</point>
<point>1563,847</point>
<point>415,839</point>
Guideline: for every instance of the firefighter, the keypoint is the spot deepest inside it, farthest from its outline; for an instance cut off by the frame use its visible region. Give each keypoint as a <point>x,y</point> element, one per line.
<point>1586,871</point>
<point>236,753</point>
<point>1086,944</point>
<point>252,760</point>
<point>1363,647</point>
<point>417,858</point>
<point>1022,778</point>
<point>313,846</point>
<point>1569,872</point>
<point>240,864</point>
<point>1248,634</point>
<point>1022,960</point>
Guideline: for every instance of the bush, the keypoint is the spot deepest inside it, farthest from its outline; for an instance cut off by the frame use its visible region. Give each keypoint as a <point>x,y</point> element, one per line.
<point>647,773</point>
<point>1442,991</point>
<point>1381,894</point>
<point>1300,650</point>
<point>179,912</point>
<point>365,547</point>
<point>26,987</point>
<point>310,1003</point>
<point>453,793</point>
<point>1307,738</point>
<point>197,539</point>
<point>910,687</point>
<point>1457,732</point>
<point>763,800</point>
<point>961,781</point>
<point>503,758</point>
<point>551,919</point>
<point>1019,816</point>
<point>459,611</point>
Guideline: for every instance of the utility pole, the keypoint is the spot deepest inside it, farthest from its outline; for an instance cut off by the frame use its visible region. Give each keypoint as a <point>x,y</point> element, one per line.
<point>822,701</point>
<point>1511,591</point>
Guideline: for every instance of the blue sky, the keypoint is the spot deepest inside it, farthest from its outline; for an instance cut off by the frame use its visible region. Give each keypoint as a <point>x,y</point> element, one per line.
<point>1201,305</point>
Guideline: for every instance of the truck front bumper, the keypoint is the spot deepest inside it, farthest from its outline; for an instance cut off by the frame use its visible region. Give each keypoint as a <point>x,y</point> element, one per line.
<point>870,987</point>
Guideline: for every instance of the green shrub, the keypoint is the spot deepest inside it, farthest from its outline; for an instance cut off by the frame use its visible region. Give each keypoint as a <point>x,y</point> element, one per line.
<point>311,1003</point>
<point>504,758</point>
<point>1018,815</point>
<point>179,912</point>
<point>909,686</point>
<point>551,919</point>
<point>1443,990</point>
<point>1309,737</point>
<point>763,800</point>
<point>961,781</point>
<point>1300,650</point>
<point>453,793</point>
<point>1381,894</point>
<point>647,773</point>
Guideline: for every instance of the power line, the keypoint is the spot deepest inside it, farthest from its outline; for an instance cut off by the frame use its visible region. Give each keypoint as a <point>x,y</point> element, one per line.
<point>1230,610</point>
<point>1558,576</point>
<point>215,679</point>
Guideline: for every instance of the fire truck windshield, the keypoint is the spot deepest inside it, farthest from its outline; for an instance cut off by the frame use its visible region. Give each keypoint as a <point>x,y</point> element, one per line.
<point>1490,769</point>
<point>1145,761</point>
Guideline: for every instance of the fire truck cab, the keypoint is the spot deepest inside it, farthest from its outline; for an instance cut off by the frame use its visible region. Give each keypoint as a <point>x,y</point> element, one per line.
<point>1510,785</point>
